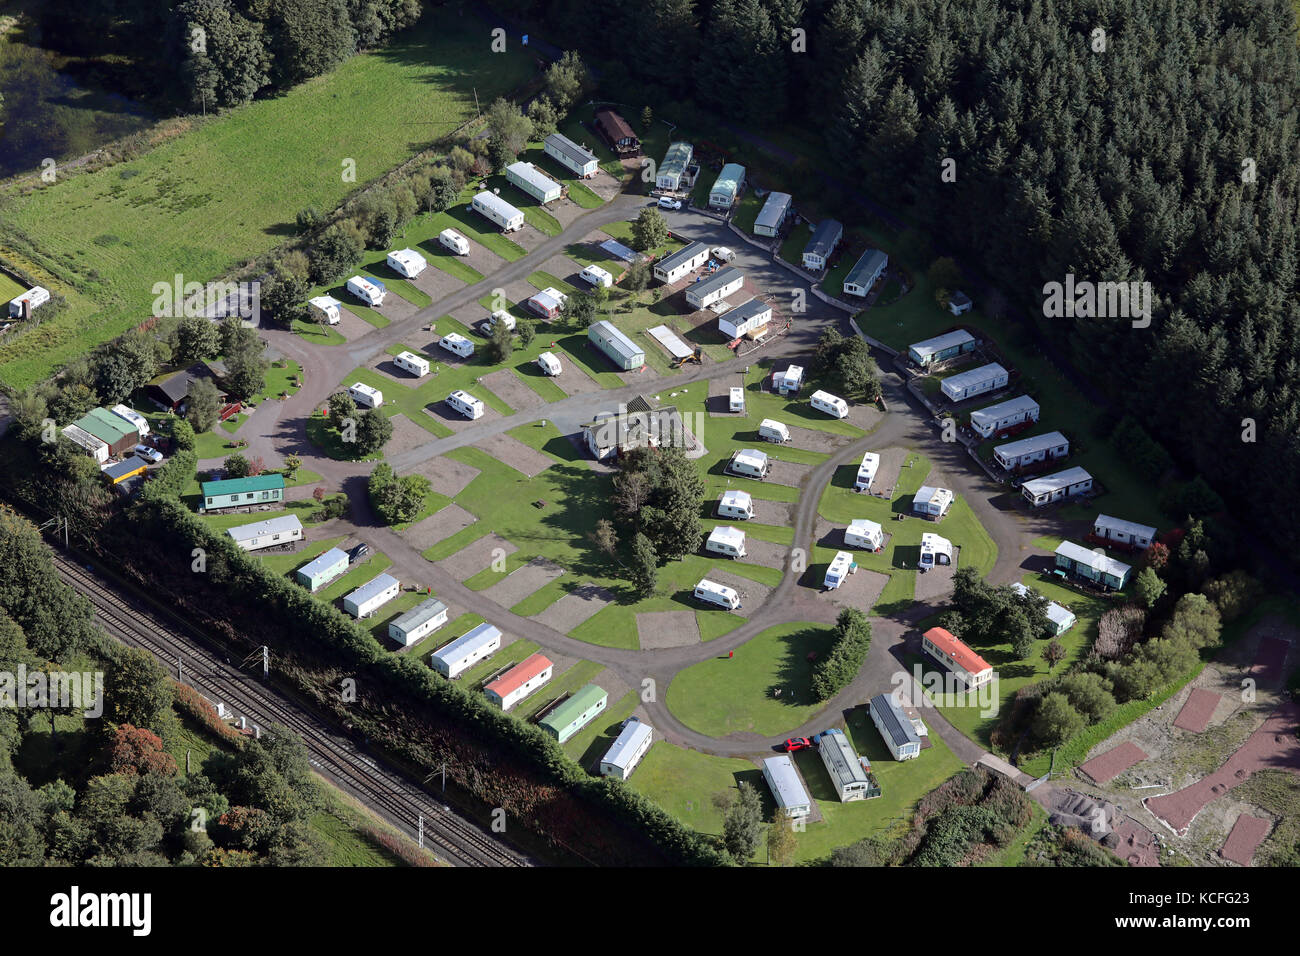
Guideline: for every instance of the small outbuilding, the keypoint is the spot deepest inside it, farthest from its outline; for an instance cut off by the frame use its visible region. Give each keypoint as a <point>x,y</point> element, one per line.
<point>615,131</point>
<point>959,303</point>
<point>119,471</point>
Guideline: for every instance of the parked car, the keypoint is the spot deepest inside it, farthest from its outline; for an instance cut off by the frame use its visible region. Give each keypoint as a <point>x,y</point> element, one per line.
<point>357,553</point>
<point>668,202</point>
<point>151,455</point>
<point>796,743</point>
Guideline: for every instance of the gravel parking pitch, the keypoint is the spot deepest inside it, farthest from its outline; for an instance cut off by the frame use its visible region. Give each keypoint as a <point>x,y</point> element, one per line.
<point>604,185</point>
<point>573,380</point>
<point>447,476</point>
<point>777,513</point>
<point>891,464</point>
<point>510,451</point>
<point>473,558</point>
<point>810,439</point>
<point>437,354</point>
<point>660,629</point>
<point>383,364</point>
<point>352,326</point>
<point>395,308</point>
<point>510,388</point>
<point>530,237</point>
<point>752,594</point>
<point>788,473</point>
<point>439,526</point>
<point>435,283</point>
<point>406,435</point>
<point>522,582</point>
<point>865,417</point>
<point>440,411</point>
<point>565,269</point>
<point>480,258</point>
<point>860,590</point>
<point>575,607</point>
<point>936,584</point>
<point>718,404</point>
<point>763,553</point>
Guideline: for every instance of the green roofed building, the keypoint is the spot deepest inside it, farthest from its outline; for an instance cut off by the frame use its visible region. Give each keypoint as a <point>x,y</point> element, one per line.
<point>117,433</point>
<point>234,492</point>
<point>726,189</point>
<point>575,713</point>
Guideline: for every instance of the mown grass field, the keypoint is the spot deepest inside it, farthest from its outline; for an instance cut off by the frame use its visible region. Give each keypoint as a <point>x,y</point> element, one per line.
<point>228,190</point>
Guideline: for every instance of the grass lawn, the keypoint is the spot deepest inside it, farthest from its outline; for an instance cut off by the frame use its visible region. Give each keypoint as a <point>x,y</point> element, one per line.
<point>10,288</point>
<point>684,783</point>
<point>722,695</point>
<point>792,246</point>
<point>747,211</point>
<point>317,333</point>
<point>107,237</point>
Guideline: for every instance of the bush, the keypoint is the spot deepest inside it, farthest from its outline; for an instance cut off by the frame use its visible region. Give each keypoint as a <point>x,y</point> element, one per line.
<point>834,671</point>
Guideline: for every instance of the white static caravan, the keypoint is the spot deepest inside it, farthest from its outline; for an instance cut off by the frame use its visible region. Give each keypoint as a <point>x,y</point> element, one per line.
<point>714,288</point>
<point>736,504</point>
<point>862,533</point>
<point>372,595</point>
<point>749,463</point>
<point>133,417</point>
<point>844,766</point>
<point>421,620</point>
<point>534,182</point>
<point>494,208</point>
<point>672,171</point>
<point>932,502</point>
<point>867,472</point>
<point>1021,410</point>
<point>1062,617</point>
<point>727,541</point>
<point>769,429</point>
<point>597,276</point>
<point>549,363</point>
<point>895,728</point>
<point>976,381</point>
<point>719,594</point>
<point>841,566</point>
<point>791,380</point>
<point>1057,487</point>
<point>936,552</point>
<point>457,344</point>
<point>407,263</point>
<point>576,159</point>
<point>787,789</point>
<point>1129,534</point>
<point>464,652</point>
<point>1029,451</point>
<point>465,403</point>
<point>410,362</point>
<point>325,308</point>
<point>366,395</point>
<point>627,750</point>
<point>97,448</point>
<point>745,319</point>
<point>367,290</point>
<point>520,681</point>
<point>454,242</point>
<point>736,400</point>
<point>832,405</point>
<point>267,534</point>
<point>33,298</point>
<point>681,263</point>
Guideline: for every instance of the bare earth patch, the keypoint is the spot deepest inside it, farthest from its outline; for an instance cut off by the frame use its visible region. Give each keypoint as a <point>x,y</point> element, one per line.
<point>522,582</point>
<point>788,473</point>
<point>438,526</point>
<point>510,451</point>
<point>406,435</point>
<point>575,607</point>
<point>810,439</point>
<point>573,380</point>
<point>936,584</point>
<point>1197,711</point>
<point>1246,836</point>
<point>473,558</point>
<point>447,476</point>
<point>395,308</point>
<point>659,629</point>
<point>510,388</point>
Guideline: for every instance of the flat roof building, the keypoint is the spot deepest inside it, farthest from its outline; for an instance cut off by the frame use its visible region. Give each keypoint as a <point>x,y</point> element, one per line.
<point>787,788</point>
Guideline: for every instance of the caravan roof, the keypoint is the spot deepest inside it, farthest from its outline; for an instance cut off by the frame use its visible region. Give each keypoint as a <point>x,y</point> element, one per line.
<point>941,343</point>
<point>519,675</point>
<point>629,741</point>
<point>725,534</point>
<point>578,154</point>
<point>972,377</point>
<point>1058,614</point>
<point>1127,527</point>
<point>422,613</point>
<point>737,499</point>
<point>1057,482</point>
<point>787,789</point>
<point>280,525</point>
<point>774,210</point>
<point>1031,445</point>
<point>893,721</point>
<point>372,588</point>
<point>1012,406</point>
<point>1097,560</point>
<point>327,560</point>
<point>751,456</point>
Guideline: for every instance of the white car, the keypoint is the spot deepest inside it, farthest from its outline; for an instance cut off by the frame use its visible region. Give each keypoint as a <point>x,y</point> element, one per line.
<point>151,455</point>
<point>668,202</point>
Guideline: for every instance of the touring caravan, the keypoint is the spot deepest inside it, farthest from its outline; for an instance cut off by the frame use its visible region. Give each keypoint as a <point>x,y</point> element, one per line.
<point>504,317</point>
<point>749,463</point>
<point>457,344</point>
<point>840,567</point>
<point>862,533</point>
<point>364,394</point>
<point>597,276</point>
<point>736,504</point>
<point>466,404</point>
<point>548,363</point>
<point>719,594</point>
<point>32,299</point>
<point>369,291</point>
<point>726,541</point>
<point>454,242</point>
<point>830,404</point>
<point>325,308</point>
<point>866,472</point>
<point>410,362</point>
<point>932,502</point>
<point>771,430</point>
<point>407,263</point>
<point>736,400</point>
<point>935,551</point>
<point>791,380</point>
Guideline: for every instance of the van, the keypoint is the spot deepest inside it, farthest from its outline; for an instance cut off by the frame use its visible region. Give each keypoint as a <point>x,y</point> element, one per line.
<point>736,504</point>
<point>504,317</point>
<point>466,404</point>
<point>369,291</point>
<point>723,254</point>
<point>866,472</point>
<point>364,395</point>
<point>454,242</point>
<point>749,463</point>
<point>726,541</point>
<point>737,400</point>
<point>773,431</point>
<point>839,569</point>
<point>830,404</point>
<point>548,363</point>
<point>597,276</point>
<point>719,594</point>
<point>457,344</point>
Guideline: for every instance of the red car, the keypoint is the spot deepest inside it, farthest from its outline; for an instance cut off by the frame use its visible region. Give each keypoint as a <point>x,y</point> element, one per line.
<point>796,743</point>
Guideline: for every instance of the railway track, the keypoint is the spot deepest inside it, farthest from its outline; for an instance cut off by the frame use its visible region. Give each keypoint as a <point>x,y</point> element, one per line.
<point>381,788</point>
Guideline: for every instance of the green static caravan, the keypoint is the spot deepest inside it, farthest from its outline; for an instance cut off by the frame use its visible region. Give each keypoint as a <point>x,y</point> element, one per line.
<point>319,572</point>
<point>237,492</point>
<point>575,713</point>
<point>1095,566</point>
<point>726,188</point>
